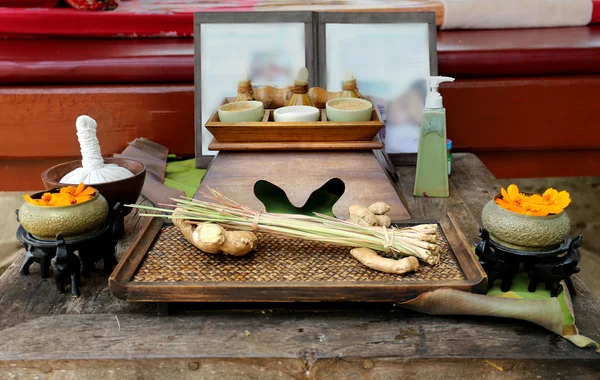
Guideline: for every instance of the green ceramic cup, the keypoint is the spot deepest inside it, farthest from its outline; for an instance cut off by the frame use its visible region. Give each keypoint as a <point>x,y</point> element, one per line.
<point>349,110</point>
<point>524,232</point>
<point>73,221</point>
<point>239,112</point>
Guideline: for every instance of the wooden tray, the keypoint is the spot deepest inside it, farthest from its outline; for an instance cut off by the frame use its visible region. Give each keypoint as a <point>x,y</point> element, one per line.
<point>163,267</point>
<point>269,131</point>
<point>274,146</point>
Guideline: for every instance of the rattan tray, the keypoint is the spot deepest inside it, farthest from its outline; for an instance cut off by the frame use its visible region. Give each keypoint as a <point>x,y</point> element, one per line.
<point>164,267</point>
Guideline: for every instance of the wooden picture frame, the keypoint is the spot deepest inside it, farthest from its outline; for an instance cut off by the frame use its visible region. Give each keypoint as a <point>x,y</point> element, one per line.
<point>415,22</point>
<point>234,20</point>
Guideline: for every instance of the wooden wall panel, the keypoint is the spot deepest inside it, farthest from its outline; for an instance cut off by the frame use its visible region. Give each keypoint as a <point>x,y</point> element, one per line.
<point>24,174</point>
<point>527,127</point>
<point>519,127</point>
<point>551,113</point>
<point>39,122</point>
<point>544,163</point>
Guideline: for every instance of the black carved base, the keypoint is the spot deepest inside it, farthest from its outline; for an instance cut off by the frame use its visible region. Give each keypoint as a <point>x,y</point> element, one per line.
<point>548,268</point>
<point>72,258</point>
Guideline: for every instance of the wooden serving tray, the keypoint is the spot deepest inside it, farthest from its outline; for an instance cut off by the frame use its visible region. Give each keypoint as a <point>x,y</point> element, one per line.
<point>288,145</point>
<point>163,267</point>
<point>269,131</point>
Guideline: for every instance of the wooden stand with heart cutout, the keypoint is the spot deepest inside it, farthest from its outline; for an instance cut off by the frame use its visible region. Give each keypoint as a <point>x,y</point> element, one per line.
<point>300,173</point>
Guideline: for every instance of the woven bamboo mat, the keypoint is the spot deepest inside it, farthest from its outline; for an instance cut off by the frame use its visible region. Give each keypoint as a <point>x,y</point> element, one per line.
<point>171,258</point>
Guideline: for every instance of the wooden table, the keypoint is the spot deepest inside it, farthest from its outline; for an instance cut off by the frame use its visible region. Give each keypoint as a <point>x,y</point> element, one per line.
<point>47,335</point>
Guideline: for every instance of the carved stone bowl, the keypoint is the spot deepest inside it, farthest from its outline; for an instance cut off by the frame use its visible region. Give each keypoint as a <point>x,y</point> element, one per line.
<point>73,221</point>
<point>524,232</point>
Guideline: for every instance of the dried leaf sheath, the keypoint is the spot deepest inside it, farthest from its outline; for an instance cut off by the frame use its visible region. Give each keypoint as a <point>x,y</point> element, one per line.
<point>228,213</point>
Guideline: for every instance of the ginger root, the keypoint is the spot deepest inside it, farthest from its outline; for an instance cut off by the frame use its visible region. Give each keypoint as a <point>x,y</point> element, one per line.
<point>371,259</point>
<point>362,216</point>
<point>239,243</point>
<point>212,238</point>
<point>370,216</point>
<point>379,208</point>
<point>383,220</point>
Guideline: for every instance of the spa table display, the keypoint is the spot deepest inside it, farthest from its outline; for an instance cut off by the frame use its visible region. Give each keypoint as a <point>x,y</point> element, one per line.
<point>46,334</point>
<point>238,191</point>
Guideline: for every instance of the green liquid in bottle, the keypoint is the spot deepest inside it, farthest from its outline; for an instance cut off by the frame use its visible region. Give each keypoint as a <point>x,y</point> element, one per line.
<point>432,161</point>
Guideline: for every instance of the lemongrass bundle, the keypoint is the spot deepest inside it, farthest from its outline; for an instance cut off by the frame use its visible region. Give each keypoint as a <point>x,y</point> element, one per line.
<point>419,241</point>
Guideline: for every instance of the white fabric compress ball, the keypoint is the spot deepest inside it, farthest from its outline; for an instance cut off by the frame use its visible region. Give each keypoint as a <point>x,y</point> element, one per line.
<point>93,170</point>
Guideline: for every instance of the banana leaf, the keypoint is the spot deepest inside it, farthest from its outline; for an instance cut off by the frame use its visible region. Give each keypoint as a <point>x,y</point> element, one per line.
<point>553,313</point>
<point>183,175</point>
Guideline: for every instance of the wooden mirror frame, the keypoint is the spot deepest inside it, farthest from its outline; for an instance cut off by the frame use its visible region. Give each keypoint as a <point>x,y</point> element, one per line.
<point>202,161</point>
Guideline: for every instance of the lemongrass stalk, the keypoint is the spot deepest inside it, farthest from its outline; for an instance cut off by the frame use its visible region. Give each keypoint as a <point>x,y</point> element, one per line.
<point>407,241</point>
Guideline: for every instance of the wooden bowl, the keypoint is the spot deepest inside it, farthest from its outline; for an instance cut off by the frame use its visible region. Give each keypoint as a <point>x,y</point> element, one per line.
<point>124,191</point>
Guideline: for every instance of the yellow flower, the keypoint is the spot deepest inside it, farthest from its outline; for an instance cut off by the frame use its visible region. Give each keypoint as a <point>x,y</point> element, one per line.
<point>68,190</point>
<point>36,202</point>
<point>46,199</point>
<point>551,202</point>
<point>513,200</point>
<point>68,195</point>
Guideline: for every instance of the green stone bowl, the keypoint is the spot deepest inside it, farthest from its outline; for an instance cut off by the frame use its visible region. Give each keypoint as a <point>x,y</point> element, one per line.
<point>524,232</point>
<point>361,110</point>
<point>73,221</point>
<point>239,112</point>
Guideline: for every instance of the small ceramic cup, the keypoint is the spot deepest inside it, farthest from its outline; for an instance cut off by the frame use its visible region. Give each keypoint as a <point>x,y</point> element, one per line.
<point>296,113</point>
<point>349,110</point>
<point>239,112</point>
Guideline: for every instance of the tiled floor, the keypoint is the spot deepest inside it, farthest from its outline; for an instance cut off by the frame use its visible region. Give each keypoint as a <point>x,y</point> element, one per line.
<point>584,212</point>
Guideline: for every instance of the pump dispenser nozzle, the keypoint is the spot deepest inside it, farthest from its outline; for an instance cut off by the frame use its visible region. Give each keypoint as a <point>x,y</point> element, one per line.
<point>434,99</point>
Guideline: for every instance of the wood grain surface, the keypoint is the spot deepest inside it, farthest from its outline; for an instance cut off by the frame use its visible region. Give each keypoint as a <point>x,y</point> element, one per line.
<point>48,335</point>
<point>46,126</point>
<point>283,146</point>
<point>269,130</point>
<point>299,174</point>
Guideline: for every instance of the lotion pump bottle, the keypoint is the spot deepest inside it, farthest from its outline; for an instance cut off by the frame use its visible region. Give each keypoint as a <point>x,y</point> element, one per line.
<point>431,179</point>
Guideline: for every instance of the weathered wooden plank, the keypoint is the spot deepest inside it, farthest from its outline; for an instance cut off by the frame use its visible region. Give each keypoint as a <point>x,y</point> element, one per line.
<point>283,369</point>
<point>282,334</point>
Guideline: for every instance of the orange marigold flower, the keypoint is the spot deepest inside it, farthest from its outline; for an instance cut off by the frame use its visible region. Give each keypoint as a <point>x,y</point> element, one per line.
<point>513,200</point>
<point>31,200</point>
<point>68,195</point>
<point>47,198</point>
<point>70,190</point>
<point>552,201</point>
<point>79,189</point>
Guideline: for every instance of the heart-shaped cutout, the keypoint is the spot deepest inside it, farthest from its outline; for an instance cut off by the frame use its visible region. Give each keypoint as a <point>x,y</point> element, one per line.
<point>320,201</point>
